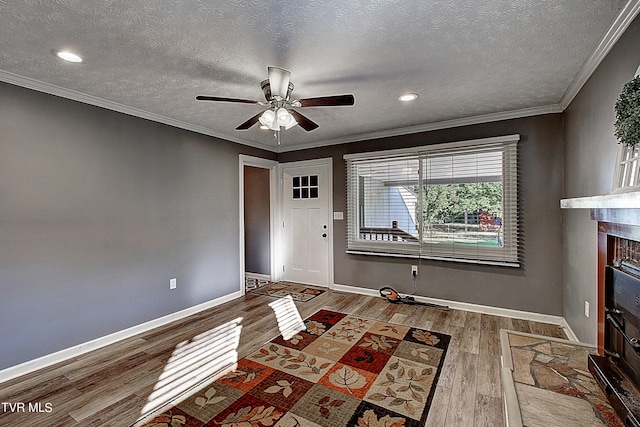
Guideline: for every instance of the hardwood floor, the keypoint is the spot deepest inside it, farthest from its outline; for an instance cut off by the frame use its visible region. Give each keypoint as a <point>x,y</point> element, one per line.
<point>111,386</point>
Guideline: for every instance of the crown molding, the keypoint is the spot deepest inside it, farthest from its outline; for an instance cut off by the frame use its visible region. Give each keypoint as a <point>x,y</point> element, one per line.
<point>73,95</point>
<point>622,22</point>
<point>446,124</point>
<point>50,89</point>
<point>620,25</point>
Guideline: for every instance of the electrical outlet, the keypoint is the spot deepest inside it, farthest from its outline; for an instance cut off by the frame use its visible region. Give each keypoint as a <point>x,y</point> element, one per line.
<point>173,283</point>
<point>586,309</point>
<point>414,271</point>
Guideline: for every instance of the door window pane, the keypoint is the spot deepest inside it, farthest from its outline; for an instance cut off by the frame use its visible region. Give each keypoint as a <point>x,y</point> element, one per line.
<point>305,187</point>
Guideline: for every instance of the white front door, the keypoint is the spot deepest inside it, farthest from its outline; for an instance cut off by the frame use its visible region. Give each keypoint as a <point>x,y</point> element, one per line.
<point>306,222</point>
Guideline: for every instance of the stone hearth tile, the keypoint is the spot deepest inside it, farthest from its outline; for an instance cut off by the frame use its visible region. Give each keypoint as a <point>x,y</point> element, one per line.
<point>560,349</point>
<point>561,366</point>
<point>544,348</point>
<point>544,408</point>
<point>598,400</point>
<point>543,358</point>
<point>547,377</point>
<point>589,383</point>
<point>578,359</point>
<point>580,386</point>
<point>521,341</point>
<point>569,391</point>
<point>583,372</point>
<point>521,365</point>
<point>609,415</point>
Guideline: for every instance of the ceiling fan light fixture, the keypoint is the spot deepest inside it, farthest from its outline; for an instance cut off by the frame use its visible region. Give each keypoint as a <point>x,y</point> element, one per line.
<point>291,123</point>
<point>284,117</point>
<point>277,119</point>
<point>267,119</point>
<point>68,56</point>
<point>408,97</point>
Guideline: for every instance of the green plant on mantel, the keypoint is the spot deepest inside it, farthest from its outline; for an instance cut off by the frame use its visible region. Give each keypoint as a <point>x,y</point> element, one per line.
<point>628,113</point>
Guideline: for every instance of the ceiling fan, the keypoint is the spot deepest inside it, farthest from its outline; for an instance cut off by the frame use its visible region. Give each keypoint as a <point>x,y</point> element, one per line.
<point>280,114</point>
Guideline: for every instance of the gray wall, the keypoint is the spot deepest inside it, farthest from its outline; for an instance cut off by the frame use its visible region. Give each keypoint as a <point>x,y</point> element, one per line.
<point>536,286</point>
<point>590,154</point>
<point>98,210</point>
<point>257,219</point>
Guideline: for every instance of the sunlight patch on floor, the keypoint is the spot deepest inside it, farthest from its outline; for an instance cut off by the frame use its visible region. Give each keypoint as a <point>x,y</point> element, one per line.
<point>206,356</point>
<point>288,317</point>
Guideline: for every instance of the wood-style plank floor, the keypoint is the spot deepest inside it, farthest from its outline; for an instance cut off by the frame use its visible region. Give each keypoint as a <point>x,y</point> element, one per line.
<point>112,386</point>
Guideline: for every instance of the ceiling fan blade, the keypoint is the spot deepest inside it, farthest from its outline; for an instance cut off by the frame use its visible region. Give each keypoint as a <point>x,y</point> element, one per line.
<point>252,121</point>
<point>304,122</point>
<point>221,99</point>
<point>279,81</point>
<point>328,101</point>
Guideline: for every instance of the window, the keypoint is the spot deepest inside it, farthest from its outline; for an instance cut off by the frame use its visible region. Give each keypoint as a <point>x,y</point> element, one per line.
<point>305,187</point>
<point>454,201</point>
<point>627,175</point>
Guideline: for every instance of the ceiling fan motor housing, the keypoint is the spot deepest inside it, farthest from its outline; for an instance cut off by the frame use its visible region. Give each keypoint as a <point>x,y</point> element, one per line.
<point>266,89</point>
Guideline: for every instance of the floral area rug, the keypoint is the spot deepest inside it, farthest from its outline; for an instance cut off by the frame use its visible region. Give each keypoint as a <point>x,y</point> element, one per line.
<point>298,292</point>
<point>343,370</point>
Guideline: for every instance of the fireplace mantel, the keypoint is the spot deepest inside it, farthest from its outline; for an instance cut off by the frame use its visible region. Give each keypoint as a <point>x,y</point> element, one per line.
<point>623,208</point>
<point>629,200</point>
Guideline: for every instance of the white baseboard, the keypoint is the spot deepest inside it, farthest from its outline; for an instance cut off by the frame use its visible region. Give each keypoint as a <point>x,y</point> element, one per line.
<point>567,330</point>
<point>356,290</point>
<point>476,308</point>
<point>68,353</point>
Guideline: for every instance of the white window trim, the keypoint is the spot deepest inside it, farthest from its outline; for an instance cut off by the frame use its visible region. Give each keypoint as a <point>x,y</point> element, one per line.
<point>619,170</point>
<point>413,250</point>
<point>433,147</point>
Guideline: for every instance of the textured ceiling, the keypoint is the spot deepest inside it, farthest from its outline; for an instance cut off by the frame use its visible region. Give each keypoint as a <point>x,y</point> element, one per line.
<point>464,58</point>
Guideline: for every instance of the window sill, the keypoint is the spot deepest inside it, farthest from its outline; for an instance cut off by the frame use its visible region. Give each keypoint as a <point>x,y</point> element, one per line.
<point>434,258</point>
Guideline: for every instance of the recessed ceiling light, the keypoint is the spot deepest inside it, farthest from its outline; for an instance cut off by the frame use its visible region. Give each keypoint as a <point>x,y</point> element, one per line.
<point>68,56</point>
<point>408,97</point>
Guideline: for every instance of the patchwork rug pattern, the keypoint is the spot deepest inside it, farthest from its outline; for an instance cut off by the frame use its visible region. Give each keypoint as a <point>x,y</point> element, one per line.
<point>343,370</point>
<point>298,292</point>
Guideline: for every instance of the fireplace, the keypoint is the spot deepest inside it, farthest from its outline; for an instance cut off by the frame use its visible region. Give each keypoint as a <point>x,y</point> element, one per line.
<point>617,371</point>
<point>617,367</point>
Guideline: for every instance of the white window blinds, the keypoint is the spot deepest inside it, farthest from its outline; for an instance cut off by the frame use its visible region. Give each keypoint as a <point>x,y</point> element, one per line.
<point>455,201</point>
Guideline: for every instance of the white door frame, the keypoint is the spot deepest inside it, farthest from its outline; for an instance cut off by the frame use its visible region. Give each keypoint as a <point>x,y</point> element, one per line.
<point>327,161</point>
<point>274,214</point>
